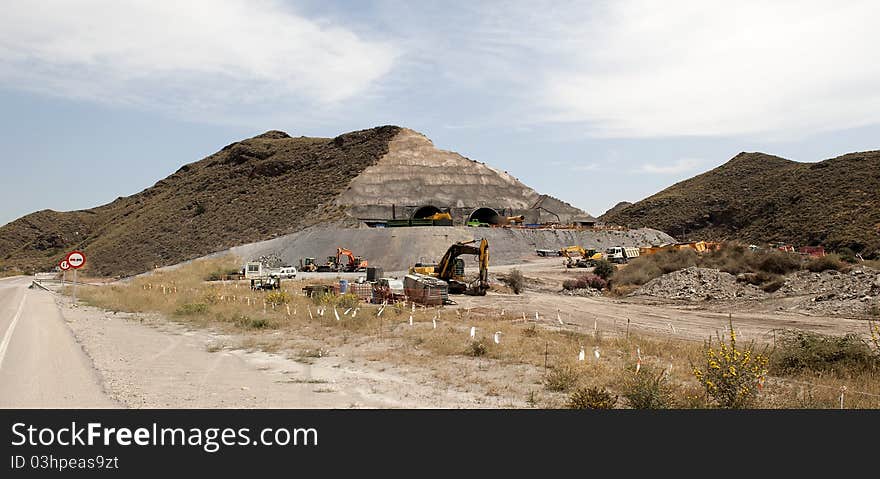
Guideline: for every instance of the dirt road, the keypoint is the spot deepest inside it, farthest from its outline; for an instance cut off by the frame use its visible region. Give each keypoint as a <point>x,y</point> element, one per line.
<point>695,321</point>
<point>41,364</point>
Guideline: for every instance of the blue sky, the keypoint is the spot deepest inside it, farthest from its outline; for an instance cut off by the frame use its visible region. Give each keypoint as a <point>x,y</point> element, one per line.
<point>592,102</point>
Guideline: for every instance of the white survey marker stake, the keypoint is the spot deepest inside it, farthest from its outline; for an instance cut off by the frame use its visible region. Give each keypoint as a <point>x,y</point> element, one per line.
<point>76,259</point>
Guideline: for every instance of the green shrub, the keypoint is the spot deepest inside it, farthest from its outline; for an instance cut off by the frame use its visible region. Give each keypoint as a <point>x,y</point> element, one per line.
<point>476,349</point>
<point>847,254</point>
<point>191,309</point>
<point>778,262</point>
<point>347,300</point>
<point>647,389</point>
<point>798,351</point>
<point>637,272</point>
<point>591,398</point>
<point>278,298</point>
<point>604,269</point>
<point>515,280</point>
<point>825,263</point>
<point>560,378</point>
<point>733,375</point>
<point>246,322</point>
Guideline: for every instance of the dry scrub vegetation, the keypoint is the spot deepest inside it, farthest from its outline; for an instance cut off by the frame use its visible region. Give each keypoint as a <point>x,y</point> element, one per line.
<point>765,269</point>
<point>535,364</point>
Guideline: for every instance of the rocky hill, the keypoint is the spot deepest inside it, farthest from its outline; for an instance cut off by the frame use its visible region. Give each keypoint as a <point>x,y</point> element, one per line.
<point>760,198</point>
<point>250,190</point>
<point>267,187</point>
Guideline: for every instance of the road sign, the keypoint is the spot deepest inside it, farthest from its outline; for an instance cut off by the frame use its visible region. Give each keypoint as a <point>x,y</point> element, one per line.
<point>76,259</point>
<point>64,265</point>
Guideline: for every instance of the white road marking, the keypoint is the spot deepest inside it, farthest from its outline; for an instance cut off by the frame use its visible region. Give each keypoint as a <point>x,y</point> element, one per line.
<point>8,336</point>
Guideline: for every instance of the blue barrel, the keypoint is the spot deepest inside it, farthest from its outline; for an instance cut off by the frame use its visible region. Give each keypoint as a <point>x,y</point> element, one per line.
<point>343,286</point>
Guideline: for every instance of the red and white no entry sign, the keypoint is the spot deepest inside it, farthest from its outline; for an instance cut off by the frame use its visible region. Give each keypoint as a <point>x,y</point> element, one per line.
<point>64,265</point>
<point>76,259</point>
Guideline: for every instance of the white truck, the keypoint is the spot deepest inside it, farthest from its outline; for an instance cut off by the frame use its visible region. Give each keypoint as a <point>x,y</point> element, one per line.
<point>261,276</point>
<point>621,254</point>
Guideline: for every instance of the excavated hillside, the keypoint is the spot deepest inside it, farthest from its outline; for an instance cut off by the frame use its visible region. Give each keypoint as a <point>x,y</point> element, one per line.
<point>761,198</point>
<point>272,186</point>
<point>249,191</point>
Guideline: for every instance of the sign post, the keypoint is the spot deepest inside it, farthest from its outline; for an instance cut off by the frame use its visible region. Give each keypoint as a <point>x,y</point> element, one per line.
<point>64,265</point>
<point>76,260</point>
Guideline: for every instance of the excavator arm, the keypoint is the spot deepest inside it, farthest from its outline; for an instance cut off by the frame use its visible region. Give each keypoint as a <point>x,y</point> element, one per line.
<point>445,269</point>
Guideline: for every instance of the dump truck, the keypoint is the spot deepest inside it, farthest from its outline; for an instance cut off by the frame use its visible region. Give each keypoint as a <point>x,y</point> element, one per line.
<point>621,254</point>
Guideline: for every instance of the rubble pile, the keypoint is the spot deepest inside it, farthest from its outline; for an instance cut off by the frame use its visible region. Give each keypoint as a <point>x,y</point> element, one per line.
<point>698,284</point>
<point>852,293</point>
<point>582,292</point>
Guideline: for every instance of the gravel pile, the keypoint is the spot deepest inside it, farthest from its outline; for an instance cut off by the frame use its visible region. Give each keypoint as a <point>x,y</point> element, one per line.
<point>698,284</point>
<point>582,292</point>
<point>852,293</point>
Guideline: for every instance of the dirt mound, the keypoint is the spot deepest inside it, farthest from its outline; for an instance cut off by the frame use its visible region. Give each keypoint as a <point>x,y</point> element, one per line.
<point>697,284</point>
<point>854,293</point>
<point>760,198</point>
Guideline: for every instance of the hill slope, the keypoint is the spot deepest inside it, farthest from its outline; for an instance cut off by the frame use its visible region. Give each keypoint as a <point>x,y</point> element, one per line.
<point>266,187</point>
<point>249,191</point>
<point>759,198</point>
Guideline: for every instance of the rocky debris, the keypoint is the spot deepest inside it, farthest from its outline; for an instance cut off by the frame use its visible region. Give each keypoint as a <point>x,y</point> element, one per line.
<point>271,260</point>
<point>852,293</point>
<point>698,284</point>
<point>590,292</point>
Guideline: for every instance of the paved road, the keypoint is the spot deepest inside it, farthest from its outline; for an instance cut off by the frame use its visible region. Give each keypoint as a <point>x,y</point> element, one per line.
<point>41,364</point>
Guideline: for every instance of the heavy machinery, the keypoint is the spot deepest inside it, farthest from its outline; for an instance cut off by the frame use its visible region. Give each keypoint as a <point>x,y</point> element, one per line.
<point>451,268</point>
<point>308,264</point>
<point>621,254</point>
<point>444,215</point>
<point>514,220</point>
<point>588,257</point>
<point>355,263</point>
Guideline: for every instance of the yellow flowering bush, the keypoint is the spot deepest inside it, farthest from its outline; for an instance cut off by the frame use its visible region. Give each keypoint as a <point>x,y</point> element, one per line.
<point>732,376</point>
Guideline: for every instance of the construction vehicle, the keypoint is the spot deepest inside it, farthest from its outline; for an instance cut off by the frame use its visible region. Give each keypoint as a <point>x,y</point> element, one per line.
<point>308,264</point>
<point>621,254</point>
<point>330,266</point>
<point>262,277</point>
<point>444,215</point>
<point>513,220</point>
<point>451,268</point>
<point>588,257</point>
<point>355,263</point>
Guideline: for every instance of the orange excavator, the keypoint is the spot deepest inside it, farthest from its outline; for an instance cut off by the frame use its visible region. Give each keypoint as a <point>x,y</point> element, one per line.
<point>355,263</point>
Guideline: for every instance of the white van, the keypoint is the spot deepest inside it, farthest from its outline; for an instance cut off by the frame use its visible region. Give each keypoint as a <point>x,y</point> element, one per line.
<point>287,272</point>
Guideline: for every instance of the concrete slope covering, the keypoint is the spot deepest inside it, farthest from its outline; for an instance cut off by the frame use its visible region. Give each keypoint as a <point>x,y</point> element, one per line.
<point>414,172</point>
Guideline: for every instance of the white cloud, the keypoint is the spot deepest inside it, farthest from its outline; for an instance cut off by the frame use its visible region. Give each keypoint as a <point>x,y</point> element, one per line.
<point>642,68</point>
<point>192,56</point>
<point>681,165</point>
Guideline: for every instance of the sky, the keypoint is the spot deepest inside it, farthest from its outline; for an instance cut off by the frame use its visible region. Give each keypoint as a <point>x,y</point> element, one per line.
<point>592,102</point>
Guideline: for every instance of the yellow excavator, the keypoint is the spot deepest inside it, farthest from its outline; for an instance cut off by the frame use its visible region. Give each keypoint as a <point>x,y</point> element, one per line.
<point>451,268</point>
<point>588,257</point>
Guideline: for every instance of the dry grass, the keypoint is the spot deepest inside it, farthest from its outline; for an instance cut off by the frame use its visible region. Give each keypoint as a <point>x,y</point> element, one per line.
<point>183,296</point>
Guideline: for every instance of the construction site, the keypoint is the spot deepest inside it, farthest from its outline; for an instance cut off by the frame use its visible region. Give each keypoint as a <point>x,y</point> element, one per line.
<point>427,279</point>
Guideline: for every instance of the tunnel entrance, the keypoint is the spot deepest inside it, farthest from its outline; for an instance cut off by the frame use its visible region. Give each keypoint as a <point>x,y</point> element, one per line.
<point>485,215</point>
<point>425,211</point>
